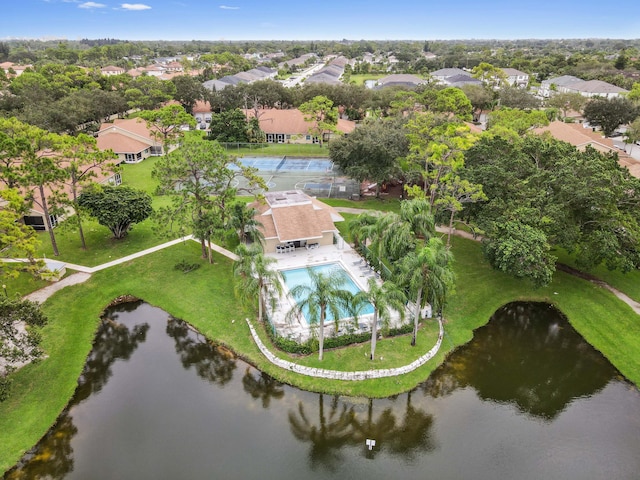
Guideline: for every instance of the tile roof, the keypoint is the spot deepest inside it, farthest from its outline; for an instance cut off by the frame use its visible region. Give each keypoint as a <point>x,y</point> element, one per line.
<point>580,137</point>
<point>125,136</point>
<point>449,72</point>
<point>292,215</point>
<point>512,72</point>
<point>291,121</point>
<point>401,78</point>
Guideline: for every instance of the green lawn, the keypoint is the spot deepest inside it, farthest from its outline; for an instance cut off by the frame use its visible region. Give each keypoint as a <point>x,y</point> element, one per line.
<point>384,205</point>
<point>279,150</point>
<point>205,299</point>
<point>360,78</point>
<point>629,282</point>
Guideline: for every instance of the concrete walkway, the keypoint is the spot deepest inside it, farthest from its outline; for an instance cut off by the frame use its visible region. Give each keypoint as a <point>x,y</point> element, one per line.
<point>84,273</point>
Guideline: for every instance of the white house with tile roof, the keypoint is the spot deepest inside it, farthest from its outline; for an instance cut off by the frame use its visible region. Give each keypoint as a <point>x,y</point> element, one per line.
<point>294,218</point>
<point>130,139</point>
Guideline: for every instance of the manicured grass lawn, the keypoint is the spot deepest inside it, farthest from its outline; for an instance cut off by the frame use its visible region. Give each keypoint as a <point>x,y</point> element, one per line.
<point>23,285</point>
<point>384,205</point>
<point>628,283</point>
<point>279,150</point>
<point>205,299</point>
<point>360,78</point>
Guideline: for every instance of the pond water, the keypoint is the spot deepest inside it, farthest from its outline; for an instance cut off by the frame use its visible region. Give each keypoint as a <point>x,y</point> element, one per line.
<point>526,399</point>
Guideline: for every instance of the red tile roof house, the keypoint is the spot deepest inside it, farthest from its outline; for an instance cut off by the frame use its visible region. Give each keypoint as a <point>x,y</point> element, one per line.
<point>34,217</point>
<point>130,139</point>
<point>292,217</point>
<point>111,70</point>
<point>290,126</point>
<point>580,137</point>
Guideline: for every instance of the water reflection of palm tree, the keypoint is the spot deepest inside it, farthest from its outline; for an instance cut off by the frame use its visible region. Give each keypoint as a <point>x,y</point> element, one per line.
<point>212,363</point>
<point>263,386</point>
<point>381,429</point>
<point>413,435</point>
<point>326,438</point>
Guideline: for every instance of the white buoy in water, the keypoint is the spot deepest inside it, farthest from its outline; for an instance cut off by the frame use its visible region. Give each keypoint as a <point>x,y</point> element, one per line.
<point>370,443</point>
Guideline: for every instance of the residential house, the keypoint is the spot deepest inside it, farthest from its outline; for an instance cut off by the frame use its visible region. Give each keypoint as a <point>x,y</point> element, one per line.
<point>462,79</point>
<point>130,139</point>
<point>250,76</point>
<point>35,216</point>
<point>112,70</point>
<point>9,67</point>
<point>290,126</point>
<point>580,137</point>
<point>399,79</point>
<point>586,88</point>
<point>516,78</point>
<point>557,84</point>
<point>292,219</point>
<point>441,75</point>
<point>596,88</point>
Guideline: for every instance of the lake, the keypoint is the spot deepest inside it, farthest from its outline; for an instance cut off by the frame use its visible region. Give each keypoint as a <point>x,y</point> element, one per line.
<point>527,398</point>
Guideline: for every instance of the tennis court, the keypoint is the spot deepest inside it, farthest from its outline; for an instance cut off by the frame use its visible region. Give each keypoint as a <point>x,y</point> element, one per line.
<point>288,164</point>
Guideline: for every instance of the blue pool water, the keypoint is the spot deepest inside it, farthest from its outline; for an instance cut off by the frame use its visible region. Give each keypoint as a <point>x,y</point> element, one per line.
<point>300,276</point>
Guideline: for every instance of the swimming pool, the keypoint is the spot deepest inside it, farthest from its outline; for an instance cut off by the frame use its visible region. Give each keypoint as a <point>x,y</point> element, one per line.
<point>300,276</point>
<point>287,164</point>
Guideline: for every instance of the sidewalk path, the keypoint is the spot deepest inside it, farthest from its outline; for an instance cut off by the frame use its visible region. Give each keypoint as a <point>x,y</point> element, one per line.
<point>84,273</point>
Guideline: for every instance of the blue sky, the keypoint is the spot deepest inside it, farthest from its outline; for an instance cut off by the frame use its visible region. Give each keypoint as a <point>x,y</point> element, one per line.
<point>318,19</point>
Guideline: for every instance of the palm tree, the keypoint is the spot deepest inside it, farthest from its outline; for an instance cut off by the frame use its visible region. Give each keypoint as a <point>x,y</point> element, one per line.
<point>324,293</point>
<point>243,220</point>
<point>428,275</point>
<point>254,273</point>
<point>382,297</point>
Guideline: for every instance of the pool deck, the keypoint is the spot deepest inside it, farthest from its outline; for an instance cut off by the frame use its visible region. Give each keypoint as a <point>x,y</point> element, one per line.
<point>298,328</point>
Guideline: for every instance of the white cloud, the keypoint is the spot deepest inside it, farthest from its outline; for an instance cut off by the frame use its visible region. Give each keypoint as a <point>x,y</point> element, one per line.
<point>135,6</point>
<point>91,5</point>
<point>227,7</point>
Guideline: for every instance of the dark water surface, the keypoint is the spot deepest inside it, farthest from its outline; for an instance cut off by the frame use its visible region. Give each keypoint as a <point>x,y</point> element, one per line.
<point>526,399</point>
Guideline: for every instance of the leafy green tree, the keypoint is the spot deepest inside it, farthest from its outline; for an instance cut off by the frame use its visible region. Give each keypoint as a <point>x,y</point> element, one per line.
<point>632,135</point>
<point>582,201</point>
<point>325,293</point>
<point>480,97</point>
<point>428,275</point>
<point>513,97</point>
<point>567,101</point>
<point>610,113</point>
<point>371,152</point>
<point>491,76</point>
<point>117,208</point>
<point>18,346</point>
<point>439,146</point>
<point>41,173</point>
<point>189,90</point>
<point>521,250</point>
<point>383,298</point>
<point>200,177</point>
<point>255,277</point>
<point>83,161</point>
<point>454,100</point>
<point>16,237</point>
<point>165,123</point>
<point>148,93</point>
<point>229,126</point>
<point>322,116</point>
<point>516,121</point>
